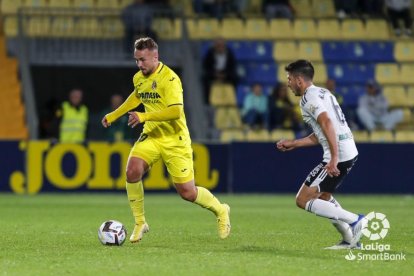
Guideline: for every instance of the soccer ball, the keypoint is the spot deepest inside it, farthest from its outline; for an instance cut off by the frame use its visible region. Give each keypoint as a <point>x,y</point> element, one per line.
<point>112,232</point>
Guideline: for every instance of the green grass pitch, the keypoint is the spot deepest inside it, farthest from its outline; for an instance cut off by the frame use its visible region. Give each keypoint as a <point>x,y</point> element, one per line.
<point>56,234</point>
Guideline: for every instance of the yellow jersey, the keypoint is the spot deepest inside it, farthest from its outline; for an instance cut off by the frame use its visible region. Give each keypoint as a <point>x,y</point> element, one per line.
<point>156,92</point>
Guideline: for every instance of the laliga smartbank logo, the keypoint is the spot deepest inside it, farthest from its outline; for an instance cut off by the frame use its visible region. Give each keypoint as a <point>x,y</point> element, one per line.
<point>376,230</point>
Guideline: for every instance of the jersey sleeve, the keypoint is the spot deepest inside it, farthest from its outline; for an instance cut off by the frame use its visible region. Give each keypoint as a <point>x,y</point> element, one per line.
<point>314,106</point>
<point>173,91</point>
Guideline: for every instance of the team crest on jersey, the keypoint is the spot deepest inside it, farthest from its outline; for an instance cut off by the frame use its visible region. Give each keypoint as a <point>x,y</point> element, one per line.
<point>154,85</point>
<point>313,108</point>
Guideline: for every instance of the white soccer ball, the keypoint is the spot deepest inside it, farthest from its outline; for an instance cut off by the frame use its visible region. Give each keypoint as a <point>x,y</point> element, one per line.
<point>112,232</point>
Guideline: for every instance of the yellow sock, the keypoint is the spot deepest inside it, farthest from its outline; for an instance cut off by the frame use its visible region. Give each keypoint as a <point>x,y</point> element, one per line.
<point>135,193</point>
<point>207,200</point>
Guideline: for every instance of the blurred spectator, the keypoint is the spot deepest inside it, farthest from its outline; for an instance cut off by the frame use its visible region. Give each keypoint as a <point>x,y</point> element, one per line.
<point>400,9</point>
<point>373,8</point>
<point>219,64</point>
<point>346,7</point>
<point>283,113</point>
<point>74,118</point>
<point>137,19</point>
<point>373,109</point>
<point>119,130</point>
<point>277,9</point>
<point>213,8</point>
<point>255,108</point>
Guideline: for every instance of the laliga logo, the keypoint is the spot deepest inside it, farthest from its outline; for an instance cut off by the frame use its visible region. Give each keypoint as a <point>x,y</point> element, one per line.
<point>377,227</point>
<point>350,256</point>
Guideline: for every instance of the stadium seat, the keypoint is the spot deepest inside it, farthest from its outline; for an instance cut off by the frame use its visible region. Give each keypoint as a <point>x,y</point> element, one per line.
<point>361,136</point>
<point>112,28</point>
<point>281,73</point>
<point>407,118</point>
<point>232,28</point>
<point>281,29</point>
<point>285,51</point>
<point>310,50</point>
<point>382,136</point>
<point>404,51</point>
<point>10,26</point>
<point>377,29</point>
<point>328,29</point>
<point>60,3</point>
<point>334,51</point>
<point>301,7</point>
<point>63,26</point>
<point>227,118</point>
<point>404,136</point>
<point>304,29</point>
<point>381,51</point>
<point>321,75</point>
<point>124,3</point>
<point>358,51</point>
<point>241,92</point>
<point>260,135</point>
<point>361,72</point>
<point>87,27</point>
<point>353,29</point>
<point>396,96</point>
<point>410,96</point>
<point>83,4</point>
<point>107,4</point>
<point>387,73</point>
<point>263,73</point>
<point>341,73</point>
<point>279,134</point>
<point>350,94</point>
<point>207,28</point>
<point>257,28</point>
<point>407,73</point>
<point>10,6</point>
<point>167,28</point>
<point>252,50</point>
<point>38,26</point>
<point>323,8</point>
<point>222,95</point>
<point>229,135</point>
<point>35,3</point>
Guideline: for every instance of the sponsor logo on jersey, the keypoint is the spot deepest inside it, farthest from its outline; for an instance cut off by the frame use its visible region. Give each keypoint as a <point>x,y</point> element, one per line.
<point>149,97</point>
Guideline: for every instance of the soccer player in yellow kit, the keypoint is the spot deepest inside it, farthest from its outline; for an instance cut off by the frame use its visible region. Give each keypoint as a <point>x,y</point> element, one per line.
<point>165,136</point>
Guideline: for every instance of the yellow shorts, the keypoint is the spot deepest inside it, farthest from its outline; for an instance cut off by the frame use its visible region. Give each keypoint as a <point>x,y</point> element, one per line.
<point>175,151</point>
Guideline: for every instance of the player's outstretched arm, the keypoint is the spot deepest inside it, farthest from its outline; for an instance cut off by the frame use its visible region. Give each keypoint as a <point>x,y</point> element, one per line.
<point>130,103</point>
<point>286,145</point>
<point>172,112</point>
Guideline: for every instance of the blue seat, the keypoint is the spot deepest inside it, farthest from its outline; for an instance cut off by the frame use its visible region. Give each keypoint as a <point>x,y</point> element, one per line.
<point>361,72</point>
<point>263,73</point>
<point>240,49</point>
<point>351,94</point>
<point>358,51</point>
<point>381,51</point>
<point>260,51</point>
<point>335,51</point>
<point>341,73</point>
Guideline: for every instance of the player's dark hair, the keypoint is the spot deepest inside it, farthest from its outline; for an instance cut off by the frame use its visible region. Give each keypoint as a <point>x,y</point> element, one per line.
<point>145,43</point>
<point>301,67</point>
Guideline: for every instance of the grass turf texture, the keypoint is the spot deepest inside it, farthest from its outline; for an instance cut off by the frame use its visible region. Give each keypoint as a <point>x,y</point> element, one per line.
<point>57,235</point>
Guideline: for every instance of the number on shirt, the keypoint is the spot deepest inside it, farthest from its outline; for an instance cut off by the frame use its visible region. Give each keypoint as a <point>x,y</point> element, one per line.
<point>338,112</point>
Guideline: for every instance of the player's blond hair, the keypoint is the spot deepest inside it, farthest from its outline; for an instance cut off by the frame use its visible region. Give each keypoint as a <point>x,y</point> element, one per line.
<point>145,43</point>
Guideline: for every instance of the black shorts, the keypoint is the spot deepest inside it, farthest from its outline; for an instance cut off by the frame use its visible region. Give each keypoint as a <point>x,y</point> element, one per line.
<point>318,177</point>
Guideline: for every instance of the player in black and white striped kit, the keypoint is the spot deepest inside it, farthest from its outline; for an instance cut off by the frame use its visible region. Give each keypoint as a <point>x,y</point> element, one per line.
<point>322,112</point>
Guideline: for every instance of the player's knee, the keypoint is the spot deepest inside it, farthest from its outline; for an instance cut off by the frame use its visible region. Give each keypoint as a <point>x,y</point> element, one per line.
<point>300,202</point>
<point>189,195</point>
<point>133,174</point>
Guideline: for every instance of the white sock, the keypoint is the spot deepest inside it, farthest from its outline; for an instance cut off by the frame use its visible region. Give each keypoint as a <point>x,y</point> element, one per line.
<point>343,228</point>
<point>329,210</point>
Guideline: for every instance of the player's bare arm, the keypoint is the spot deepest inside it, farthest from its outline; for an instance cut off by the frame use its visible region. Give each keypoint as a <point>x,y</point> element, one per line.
<point>105,122</point>
<point>329,132</point>
<point>286,145</point>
